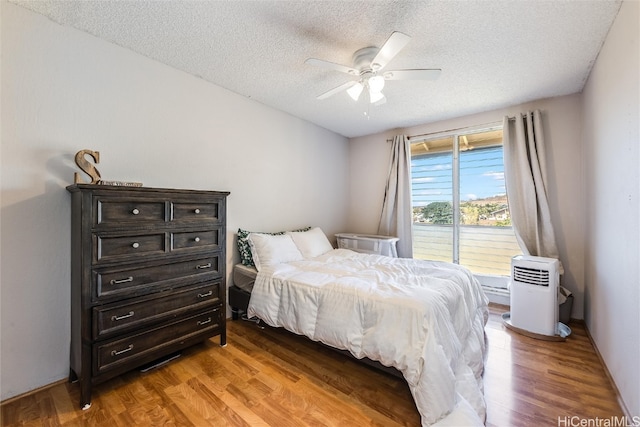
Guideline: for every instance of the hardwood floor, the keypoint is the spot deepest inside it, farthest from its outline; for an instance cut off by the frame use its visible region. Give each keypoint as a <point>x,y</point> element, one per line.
<point>273,378</point>
<point>530,382</point>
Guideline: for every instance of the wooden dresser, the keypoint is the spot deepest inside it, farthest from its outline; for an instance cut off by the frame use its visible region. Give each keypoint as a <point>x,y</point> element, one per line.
<point>147,276</point>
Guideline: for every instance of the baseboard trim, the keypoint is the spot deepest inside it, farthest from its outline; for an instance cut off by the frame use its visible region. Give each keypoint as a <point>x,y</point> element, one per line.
<point>34,391</point>
<point>623,406</point>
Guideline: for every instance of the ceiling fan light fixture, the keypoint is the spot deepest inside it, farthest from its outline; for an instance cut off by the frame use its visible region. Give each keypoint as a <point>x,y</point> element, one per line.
<point>368,64</point>
<point>376,84</point>
<point>381,100</point>
<point>355,91</point>
<point>375,96</point>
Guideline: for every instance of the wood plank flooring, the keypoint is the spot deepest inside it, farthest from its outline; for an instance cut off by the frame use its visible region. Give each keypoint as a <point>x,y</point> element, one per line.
<point>273,378</point>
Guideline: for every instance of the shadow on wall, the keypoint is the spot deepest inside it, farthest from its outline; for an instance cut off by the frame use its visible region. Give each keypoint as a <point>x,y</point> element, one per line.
<point>35,278</point>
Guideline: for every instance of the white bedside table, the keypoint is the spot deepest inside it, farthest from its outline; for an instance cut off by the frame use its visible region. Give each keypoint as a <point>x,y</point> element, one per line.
<point>368,243</point>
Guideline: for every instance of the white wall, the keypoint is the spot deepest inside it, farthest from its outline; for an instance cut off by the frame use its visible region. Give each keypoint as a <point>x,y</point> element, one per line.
<point>369,157</point>
<point>612,181</point>
<point>63,91</point>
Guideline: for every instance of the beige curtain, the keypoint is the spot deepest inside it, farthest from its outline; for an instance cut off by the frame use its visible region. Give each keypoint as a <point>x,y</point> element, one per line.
<point>527,185</point>
<point>395,219</point>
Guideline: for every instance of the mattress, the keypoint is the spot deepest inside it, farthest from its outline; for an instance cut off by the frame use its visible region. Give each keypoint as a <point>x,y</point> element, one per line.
<point>244,276</point>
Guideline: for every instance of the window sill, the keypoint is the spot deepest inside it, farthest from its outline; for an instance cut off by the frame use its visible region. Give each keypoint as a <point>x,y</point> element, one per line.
<point>497,296</point>
<point>496,288</point>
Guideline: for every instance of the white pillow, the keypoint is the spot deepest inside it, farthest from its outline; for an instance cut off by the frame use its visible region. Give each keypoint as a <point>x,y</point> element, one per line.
<point>267,249</point>
<point>311,243</point>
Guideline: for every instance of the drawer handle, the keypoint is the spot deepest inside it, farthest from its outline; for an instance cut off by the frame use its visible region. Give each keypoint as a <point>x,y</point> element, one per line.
<point>197,239</point>
<point>203,266</point>
<point>118,353</point>
<point>208,294</point>
<point>204,322</point>
<point>135,211</point>
<point>124,316</point>
<point>135,245</point>
<point>117,282</point>
<point>197,211</point>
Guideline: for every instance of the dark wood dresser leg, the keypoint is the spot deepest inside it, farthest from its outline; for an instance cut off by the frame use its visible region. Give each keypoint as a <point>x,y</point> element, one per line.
<point>85,392</point>
<point>72,376</point>
<point>223,338</point>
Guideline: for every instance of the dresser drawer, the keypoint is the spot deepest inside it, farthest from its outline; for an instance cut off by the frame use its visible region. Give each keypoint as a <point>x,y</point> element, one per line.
<point>113,248</point>
<point>195,211</point>
<point>129,213</point>
<point>122,282</point>
<point>118,318</point>
<point>113,354</point>
<point>186,241</point>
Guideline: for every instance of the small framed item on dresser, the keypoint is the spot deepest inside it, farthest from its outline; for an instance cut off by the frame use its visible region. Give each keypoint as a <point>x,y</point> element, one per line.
<point>147,276</point>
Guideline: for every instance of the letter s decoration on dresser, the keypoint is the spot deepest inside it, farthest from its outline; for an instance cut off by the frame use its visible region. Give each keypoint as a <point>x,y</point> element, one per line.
<point>147,276</point>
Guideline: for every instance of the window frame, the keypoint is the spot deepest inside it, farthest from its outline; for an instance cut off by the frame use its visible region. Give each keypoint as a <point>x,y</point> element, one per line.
<point>491,282</point>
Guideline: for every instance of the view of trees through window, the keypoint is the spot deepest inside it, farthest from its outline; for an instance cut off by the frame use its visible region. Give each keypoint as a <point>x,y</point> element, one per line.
<point>460,206</point>
<point>470,213</point>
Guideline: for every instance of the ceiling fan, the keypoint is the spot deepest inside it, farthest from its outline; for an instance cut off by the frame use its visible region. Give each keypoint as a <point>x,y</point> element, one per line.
<point>368,64</point>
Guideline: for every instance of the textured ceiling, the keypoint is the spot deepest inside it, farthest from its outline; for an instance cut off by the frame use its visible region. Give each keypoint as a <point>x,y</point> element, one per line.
<point>492,53</point>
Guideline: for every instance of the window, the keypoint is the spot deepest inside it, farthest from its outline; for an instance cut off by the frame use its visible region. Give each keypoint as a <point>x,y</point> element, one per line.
<point>460,208</point>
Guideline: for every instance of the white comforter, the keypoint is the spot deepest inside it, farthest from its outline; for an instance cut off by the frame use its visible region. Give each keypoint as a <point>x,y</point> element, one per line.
<point>424,318</point>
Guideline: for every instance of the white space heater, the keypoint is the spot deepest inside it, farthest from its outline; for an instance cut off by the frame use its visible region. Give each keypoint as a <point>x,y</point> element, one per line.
<point>534,294</point>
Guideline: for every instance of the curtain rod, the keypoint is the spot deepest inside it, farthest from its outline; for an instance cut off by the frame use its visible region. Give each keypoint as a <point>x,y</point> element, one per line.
<point>482,126</point>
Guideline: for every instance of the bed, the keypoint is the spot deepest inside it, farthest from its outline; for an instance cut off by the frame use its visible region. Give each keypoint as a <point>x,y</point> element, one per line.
<point>424,319</point>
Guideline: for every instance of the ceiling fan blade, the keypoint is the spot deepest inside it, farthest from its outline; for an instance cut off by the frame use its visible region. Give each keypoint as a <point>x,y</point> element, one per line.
<point>424,74</point>
<point>389,50</point>
<point>332,66</point>
<point>335,90</point>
